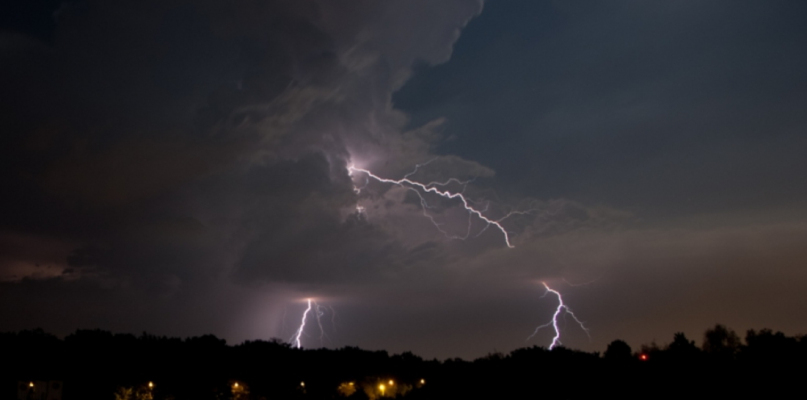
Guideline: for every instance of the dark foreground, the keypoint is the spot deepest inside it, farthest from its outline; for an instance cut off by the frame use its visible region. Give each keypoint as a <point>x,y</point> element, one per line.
<point>99,365</point>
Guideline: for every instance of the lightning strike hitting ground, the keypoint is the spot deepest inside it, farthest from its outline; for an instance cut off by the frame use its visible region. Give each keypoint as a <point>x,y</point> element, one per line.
<point>554,322</point>
<point>319,312</point>
<point>432,187</point>
<point>296,338</point>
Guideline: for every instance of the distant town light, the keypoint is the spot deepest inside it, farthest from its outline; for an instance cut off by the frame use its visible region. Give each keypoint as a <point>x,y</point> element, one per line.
<point>302,384</point>
<point>422,381</point>
<point>151,385</point>
<point>30,384</point>
<point>391,382</point>
<point>643,357</point>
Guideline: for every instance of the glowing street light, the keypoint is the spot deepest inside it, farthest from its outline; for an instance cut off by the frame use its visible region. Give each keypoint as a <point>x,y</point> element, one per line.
<point>151,385</point>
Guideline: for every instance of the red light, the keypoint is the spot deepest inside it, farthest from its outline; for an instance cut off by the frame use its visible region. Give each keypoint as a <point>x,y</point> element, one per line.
<point>643,357</point>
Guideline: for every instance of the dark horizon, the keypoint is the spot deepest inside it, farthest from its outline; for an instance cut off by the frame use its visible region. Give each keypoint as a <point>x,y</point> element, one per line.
<point>718,334</point>
<point>95,364</point>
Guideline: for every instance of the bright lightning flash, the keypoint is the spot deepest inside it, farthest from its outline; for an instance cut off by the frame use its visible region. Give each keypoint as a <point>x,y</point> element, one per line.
<point>562,308</point>
<point>318,313</point>
<point>434,187</point>
<point>296,338</point>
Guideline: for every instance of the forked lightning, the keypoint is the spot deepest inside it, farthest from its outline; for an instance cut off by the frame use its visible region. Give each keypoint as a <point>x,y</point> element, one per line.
<point>562,308</point>
<point>296,339</point>
<point>434,187</point>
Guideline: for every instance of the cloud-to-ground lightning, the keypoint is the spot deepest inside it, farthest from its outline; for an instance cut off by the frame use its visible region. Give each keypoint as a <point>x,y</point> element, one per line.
<point>435,188</point>
<point>562,308</point>
<point>296,339</point>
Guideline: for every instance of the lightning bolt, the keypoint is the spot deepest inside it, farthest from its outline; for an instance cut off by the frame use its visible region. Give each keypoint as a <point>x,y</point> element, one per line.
<point>319,312</point>
<point>296,338</point>
<point>562,308</point>
<point>436,188</point>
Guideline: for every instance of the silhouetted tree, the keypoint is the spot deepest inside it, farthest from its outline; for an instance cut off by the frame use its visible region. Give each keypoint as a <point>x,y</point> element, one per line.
<point>92,364</point>
<point>682,348</point>
<point>721,342</point>
<point>774,349</point>
<point>618,350</point>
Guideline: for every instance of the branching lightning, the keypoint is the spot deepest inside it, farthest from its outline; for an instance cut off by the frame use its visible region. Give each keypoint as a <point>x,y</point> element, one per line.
<point>562,308</point>
<point>436,188</point>
<point>319,312</point>
<point>441,189</point>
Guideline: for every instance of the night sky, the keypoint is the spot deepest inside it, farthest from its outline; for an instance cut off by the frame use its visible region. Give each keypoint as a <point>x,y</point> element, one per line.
<point>181,167</point>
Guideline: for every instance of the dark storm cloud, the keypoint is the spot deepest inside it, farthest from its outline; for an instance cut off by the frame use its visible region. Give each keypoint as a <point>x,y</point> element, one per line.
<point>32,18</point>
<point>164,141</point>
<point>294,229</point>
<point>659,107</point>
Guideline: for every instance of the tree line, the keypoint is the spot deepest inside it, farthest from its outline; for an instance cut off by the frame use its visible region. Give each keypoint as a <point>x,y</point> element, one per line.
<point>96,364</point>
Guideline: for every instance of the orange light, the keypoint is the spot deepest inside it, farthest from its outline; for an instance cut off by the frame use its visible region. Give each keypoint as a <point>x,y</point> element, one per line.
<point>643,357</point>
<point>30,384</point>
<point>151,385</point>
<point>422,381</point>
<point>235,384</point>
<point>391,382</point>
